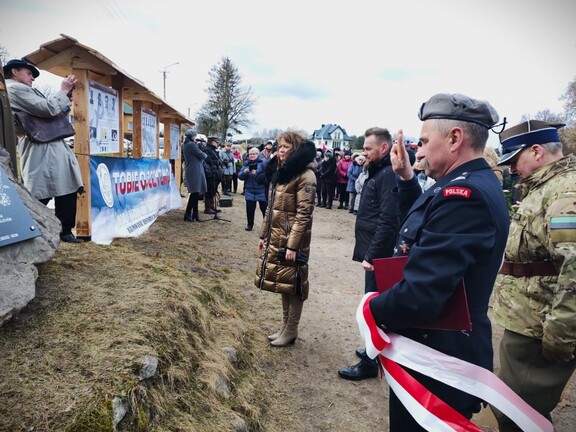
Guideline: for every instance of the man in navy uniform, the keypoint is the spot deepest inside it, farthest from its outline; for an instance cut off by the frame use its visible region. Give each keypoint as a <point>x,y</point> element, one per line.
<point>455,230</point>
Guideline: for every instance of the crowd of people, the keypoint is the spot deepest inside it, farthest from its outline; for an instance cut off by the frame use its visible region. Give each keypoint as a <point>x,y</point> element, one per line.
<point>440,205</point>
<point>443,207</point>
<point>445,231</point>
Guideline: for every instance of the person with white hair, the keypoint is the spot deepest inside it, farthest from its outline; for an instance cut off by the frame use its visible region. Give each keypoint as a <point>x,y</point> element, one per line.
<point>254,192</point>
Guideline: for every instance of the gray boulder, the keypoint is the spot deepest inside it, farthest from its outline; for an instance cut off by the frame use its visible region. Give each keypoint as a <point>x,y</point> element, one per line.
<point>18,261</point>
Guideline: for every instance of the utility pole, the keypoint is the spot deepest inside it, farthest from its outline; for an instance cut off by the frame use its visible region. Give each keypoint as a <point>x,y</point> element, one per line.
<point>164,72</point>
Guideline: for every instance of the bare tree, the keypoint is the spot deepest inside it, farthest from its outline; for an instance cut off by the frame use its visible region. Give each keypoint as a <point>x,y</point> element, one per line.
<point>545,115</point>
<point>229,103</point>
<point>569,98</point>
<point>568,134</point>
<point>4,54</point>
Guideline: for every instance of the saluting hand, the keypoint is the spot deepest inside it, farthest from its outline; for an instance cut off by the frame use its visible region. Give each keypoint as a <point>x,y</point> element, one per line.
<point>400,159</point>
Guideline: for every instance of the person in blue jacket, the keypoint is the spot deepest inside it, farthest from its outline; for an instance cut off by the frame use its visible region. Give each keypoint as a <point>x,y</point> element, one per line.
<point>455,230</point>
<point>254,192</point>
<point>354,171</point>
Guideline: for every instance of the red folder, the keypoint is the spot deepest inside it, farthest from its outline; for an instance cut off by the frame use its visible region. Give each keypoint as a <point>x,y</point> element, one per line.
<point>454,316</point>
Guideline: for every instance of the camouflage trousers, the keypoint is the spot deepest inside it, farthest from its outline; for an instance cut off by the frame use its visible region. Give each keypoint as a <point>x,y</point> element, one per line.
<point>535,379</point>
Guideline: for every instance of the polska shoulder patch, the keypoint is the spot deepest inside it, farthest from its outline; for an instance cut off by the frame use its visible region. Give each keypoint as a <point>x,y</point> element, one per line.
<point>457,191</point>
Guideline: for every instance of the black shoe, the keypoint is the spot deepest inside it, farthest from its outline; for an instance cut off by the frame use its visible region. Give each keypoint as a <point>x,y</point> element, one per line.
<point>351,211</point>
<point>361,352</point>
<point>359,372</point>
<point>322,205</point>
<point>329,207</point>
<point>188,218</point>
<point>209,211</point>
<point>248,228</point>
<point>340,207</point>
<point>214,209</point>
<point>69,238</point>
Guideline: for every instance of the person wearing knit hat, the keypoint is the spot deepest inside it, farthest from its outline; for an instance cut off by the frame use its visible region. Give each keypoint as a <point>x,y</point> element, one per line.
<point>534,298</point>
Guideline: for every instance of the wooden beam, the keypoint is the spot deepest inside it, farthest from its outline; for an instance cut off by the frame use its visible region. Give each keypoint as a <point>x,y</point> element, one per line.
<point>82,151</point>
<point>137,129</point>
<point>76,58</point>
<point>140,95</point>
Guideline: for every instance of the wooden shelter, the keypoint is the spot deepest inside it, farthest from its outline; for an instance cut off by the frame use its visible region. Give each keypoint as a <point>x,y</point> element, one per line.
<point>65,56</point>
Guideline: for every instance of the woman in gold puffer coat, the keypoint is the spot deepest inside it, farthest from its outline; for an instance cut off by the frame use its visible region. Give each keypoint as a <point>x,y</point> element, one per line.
<point>285,234</point>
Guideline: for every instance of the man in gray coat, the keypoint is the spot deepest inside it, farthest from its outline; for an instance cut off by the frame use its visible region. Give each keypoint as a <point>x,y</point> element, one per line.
<point>49,170</point>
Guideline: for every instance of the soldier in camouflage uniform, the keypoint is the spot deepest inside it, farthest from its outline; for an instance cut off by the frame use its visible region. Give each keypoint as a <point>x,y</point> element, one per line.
<point>535,296</point>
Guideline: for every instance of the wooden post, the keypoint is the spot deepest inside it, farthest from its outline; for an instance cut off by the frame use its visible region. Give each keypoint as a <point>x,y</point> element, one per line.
<point>82,151</point>
<point>167,139</point>
<point>137,129</point>
<point>117,85</point>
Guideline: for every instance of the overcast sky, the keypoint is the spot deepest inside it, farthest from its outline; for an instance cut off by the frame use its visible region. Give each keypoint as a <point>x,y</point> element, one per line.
<point>357,64</point>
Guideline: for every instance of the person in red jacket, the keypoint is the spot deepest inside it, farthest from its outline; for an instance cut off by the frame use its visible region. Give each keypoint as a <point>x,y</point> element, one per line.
<point>342,172</point>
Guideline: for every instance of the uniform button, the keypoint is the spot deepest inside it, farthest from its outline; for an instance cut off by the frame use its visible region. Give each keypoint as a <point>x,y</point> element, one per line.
<point>405,229</point>
<point>425,336</point>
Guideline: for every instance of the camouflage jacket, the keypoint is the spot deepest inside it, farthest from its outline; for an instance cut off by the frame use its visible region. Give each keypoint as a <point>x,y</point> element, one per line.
<point>543,229</point>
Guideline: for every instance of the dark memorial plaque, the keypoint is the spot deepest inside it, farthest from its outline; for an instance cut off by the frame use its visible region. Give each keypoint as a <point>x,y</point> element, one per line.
<point>16,224</point>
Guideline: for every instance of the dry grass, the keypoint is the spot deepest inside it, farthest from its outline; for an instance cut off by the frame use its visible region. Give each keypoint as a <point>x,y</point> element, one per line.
<point>175,293</point>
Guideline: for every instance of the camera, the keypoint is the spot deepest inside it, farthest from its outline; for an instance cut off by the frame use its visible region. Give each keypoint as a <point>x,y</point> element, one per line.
<point>252,166</point>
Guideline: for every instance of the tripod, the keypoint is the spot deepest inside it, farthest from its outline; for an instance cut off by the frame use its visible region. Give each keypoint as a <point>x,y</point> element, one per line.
<point>216,211</point>
<point>213,187</point>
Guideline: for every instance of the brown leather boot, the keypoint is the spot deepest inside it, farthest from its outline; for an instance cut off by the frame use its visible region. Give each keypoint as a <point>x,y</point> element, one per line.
<point>285,309</point>
<point>290,333</point>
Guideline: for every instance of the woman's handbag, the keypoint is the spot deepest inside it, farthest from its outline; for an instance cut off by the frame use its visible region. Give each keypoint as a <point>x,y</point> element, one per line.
<point>45,129</point>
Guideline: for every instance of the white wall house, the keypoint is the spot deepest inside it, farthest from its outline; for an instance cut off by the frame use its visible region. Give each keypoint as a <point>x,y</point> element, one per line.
<point>330,136</point>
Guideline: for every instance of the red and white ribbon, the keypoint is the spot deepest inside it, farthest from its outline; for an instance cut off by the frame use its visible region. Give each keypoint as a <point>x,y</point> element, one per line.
<point>429,411</point>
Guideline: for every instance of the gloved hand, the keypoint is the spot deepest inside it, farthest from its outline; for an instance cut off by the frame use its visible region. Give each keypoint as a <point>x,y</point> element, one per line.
<point>557,353</point>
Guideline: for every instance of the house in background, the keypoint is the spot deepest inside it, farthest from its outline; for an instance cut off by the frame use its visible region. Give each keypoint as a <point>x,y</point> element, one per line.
<point>330,136</point>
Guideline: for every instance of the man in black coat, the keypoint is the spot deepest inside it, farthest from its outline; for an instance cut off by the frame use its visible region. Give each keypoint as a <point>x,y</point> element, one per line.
<point>328,174</point>
<point>454,231</point>
<point>376,228</point>
<point>213,170</point>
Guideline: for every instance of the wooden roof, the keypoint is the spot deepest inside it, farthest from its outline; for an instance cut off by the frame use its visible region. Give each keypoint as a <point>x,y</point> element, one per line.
<point>64,54</point>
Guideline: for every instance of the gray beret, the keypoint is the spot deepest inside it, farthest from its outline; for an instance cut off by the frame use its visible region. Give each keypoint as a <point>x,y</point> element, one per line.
<point>190,133</point>
<point>459,107</point>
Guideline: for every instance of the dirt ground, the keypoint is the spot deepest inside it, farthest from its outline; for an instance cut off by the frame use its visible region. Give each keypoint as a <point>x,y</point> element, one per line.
<point>307,394</point>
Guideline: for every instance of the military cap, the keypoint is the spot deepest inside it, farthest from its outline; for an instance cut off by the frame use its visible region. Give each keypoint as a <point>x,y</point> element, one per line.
<point>18,64</point>
<point>459,107</point>
<point>526,134</point>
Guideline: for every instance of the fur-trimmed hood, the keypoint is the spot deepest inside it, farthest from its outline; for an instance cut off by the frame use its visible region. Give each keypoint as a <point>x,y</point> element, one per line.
<point>295,165</point>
